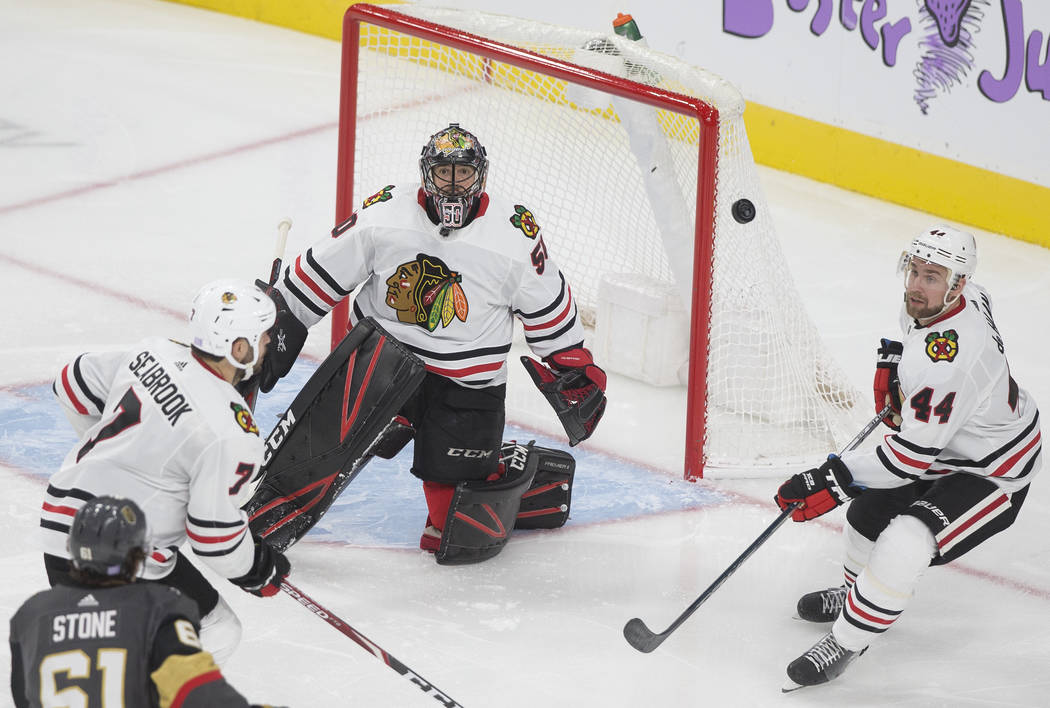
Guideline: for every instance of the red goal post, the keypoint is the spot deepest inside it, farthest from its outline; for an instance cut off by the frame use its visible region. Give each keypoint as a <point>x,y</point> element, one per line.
<point>391,62</point>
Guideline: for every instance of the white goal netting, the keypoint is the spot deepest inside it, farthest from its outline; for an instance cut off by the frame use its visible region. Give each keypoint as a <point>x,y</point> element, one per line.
<point>614,183</point>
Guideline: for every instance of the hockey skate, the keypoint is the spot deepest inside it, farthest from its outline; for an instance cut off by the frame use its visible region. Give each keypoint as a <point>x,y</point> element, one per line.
<point>823,661</point>
<point>822,605</point>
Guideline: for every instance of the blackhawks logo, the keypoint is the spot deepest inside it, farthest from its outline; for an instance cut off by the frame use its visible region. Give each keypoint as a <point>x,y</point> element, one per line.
<point>383,195</point>
<point>244,418</point>
<point>524,220</point>
<point>425,292</point>
<point>942,347</point>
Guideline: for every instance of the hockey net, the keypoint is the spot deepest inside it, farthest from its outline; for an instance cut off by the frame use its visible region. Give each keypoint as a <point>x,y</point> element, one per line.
<point>632,161</point>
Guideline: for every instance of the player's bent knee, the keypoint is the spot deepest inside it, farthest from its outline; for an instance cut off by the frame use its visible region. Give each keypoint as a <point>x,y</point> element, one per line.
<point>903,551</point>
<point>220,632</point>
<point>482,514</point>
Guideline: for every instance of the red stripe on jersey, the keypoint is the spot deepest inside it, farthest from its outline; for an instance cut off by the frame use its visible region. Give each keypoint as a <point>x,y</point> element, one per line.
<point>861,613</point>
<point>214,539</point>
<point>193,683</point>
<point>999,501</point>
<point>556,320</point>
<point>462,373</point>
<point>207,367</point>
<point>907,460</point>
<point>311,284</point>
<point>1008,465</point>
<point>67,510</point>
<point>81,409</point>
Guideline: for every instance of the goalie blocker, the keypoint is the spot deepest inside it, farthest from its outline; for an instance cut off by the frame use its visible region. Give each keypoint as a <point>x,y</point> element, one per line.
<point>345,414</point>
<point>534,492</point>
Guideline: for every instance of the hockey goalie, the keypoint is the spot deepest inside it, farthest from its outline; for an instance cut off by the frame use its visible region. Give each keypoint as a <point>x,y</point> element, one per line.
<point>443,270</point>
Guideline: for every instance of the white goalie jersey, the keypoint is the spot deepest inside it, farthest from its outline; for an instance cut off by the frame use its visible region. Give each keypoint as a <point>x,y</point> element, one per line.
<point>962,411</point>
<point>158,426</point>
<point>449,296</point>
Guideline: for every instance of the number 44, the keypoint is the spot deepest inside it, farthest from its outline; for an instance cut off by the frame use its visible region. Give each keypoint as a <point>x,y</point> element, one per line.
<point>921,403</point>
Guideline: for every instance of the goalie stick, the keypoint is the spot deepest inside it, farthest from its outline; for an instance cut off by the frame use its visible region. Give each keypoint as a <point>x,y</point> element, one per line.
<point>371,647</point>
<point>250,389</point>
<point>639,636</point>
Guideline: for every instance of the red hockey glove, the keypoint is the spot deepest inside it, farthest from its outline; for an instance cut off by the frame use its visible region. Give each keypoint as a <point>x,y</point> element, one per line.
<point>820,490</point>
<point>887,386</point>
<point>267,572</point>
<point>574,386</point>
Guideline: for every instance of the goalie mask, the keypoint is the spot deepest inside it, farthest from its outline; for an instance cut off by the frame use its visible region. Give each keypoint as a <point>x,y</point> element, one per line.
<point>452,168</point>
<point>947,247</point>
<point>225,311</point>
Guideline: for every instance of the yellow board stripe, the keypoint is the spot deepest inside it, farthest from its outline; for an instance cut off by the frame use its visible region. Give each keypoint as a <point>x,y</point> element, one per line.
<point>881,169</point>
<point>898,174</point>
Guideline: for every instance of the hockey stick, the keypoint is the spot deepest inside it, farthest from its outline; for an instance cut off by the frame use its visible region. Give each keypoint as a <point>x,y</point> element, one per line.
<point>283,226</point>
<point>639,636</point>
<point>250,389</point>
<point>370,646</point>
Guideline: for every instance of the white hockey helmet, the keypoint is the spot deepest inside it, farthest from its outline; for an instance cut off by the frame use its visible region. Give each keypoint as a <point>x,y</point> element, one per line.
<point>227,310</point>
<point>945,246</point>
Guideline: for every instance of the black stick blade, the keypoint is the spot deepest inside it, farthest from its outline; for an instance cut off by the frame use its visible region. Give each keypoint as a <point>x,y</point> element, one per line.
<point>641,637</point>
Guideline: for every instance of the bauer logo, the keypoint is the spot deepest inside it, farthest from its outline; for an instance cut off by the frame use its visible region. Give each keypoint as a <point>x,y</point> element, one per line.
<point>946,35</point>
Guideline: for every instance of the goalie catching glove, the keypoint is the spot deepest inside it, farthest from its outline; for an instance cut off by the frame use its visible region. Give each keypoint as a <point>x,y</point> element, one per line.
<point>887,385</point>
<point>574,386</point>
<point>820,490</point>
<point>268,570</point>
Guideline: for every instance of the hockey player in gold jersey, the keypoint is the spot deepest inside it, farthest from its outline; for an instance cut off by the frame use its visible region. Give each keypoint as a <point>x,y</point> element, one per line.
<point>104,640</point>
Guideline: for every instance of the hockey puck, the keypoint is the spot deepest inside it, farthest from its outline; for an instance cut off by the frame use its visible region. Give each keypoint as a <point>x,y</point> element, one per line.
<point>743,210</point>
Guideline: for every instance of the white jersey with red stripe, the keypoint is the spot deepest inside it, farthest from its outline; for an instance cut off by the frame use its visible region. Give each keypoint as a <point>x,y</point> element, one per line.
<point>450,296</point>
<point>162,428</point>
<point>962,411</point>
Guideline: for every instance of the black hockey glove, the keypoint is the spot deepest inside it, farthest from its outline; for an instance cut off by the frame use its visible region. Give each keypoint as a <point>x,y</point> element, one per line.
<point>267,572</point>
<point>574,386</point>
<point>820,490</point>
<point>887,385</point>
<point>287,337</point>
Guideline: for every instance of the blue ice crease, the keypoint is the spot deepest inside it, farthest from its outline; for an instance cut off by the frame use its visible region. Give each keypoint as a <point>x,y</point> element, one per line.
<point>384,506</point>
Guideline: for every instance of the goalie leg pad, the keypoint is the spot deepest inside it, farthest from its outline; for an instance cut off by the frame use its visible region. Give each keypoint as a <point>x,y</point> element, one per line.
<point>393,439</point>
<point>482,514</point>
<point>546,503</point>
<point>330,431</point>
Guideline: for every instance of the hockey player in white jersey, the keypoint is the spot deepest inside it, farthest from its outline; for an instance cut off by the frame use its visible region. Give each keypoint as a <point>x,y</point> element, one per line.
<point>955,472</point>
<point>444,268</point>
<point>162,424</point>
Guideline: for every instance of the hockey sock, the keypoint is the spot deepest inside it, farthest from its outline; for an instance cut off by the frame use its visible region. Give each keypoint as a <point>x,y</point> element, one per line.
<point>885,586</point>
<point>439,497</point>
<point>858,550</point>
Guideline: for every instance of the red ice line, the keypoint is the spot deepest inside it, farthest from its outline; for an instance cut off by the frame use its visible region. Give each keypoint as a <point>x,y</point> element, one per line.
<point>97,288</point>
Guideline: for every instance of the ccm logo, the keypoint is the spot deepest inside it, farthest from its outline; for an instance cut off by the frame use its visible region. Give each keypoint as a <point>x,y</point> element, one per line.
<point>278,435</point>
<point>464,452</point>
